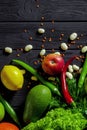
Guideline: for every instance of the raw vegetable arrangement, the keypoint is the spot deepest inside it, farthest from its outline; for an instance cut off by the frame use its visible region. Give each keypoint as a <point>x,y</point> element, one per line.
<point>51,105</point>
<point>57,103</point>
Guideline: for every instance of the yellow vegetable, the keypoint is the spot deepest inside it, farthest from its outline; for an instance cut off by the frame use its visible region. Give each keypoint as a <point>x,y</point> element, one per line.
<point>12,77</point>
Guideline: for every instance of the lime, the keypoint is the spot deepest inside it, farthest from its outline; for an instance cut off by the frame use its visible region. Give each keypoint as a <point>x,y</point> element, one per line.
<point>2,111</point>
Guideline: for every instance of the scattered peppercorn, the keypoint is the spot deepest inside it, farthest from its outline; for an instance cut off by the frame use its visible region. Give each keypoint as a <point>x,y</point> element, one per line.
<point>28,86</point>
<point>30,38</point>
<point>53,50</point>
<point>42,46</point>
<point>77,58</point>
<point>78,38</point>
<point>81,35</point>
<point>35,62</point>
<point>52,30</point>
<point>81,46</point>
<point>52,21</point>
<point>69,45</point>
<point>42,18</point>
<point>62,34</point>
<point>78,47</point>
<point>41,24</point>
<point>50,39</point>
<point>82,61</point>
<point>73,42</point>
<point>60,38</point>
<point>38,6</point>
<point>21,49</point>
<point>43,40</point>
<point>18,55</point>
<point>62,54</point>
<point>25,30</point>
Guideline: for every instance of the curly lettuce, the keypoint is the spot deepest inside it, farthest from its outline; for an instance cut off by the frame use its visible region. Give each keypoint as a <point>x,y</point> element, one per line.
<point>59,119</point>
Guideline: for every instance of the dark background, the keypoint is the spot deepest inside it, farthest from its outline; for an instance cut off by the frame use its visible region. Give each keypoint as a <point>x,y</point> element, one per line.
<point>19,22</point>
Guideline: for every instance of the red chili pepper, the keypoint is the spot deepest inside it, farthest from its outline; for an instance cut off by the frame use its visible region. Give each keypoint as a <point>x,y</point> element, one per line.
<point>65,91</point>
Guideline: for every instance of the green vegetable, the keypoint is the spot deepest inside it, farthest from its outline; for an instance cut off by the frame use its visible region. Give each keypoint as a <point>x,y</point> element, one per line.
<point>51,86</point>
<point>36,103</point>
<point>83,74</point>
<point>85,84</point>
<point>72,86</point>
<point>59,119</point>
<point>9,110</point>
<point>2,111</point>
<point>57,102</point>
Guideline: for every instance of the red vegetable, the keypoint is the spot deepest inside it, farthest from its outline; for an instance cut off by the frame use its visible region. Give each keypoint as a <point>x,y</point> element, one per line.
<point>65,91</point>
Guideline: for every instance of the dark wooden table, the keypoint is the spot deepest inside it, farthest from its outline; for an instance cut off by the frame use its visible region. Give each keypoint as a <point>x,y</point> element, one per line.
<point>19,22</point>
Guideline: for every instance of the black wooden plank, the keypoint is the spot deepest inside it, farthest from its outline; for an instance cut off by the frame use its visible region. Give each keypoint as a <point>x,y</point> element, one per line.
<point>17,35</point>
<point>33,58</point>
<point>19,21</point>
<point>32,10</point>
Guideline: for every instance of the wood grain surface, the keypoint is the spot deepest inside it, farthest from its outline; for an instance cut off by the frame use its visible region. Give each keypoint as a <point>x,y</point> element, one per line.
<point>33,10</point>
<point>19,22</point>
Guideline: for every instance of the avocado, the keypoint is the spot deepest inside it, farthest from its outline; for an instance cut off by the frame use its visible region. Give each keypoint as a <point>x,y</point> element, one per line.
<point>37,101</point>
